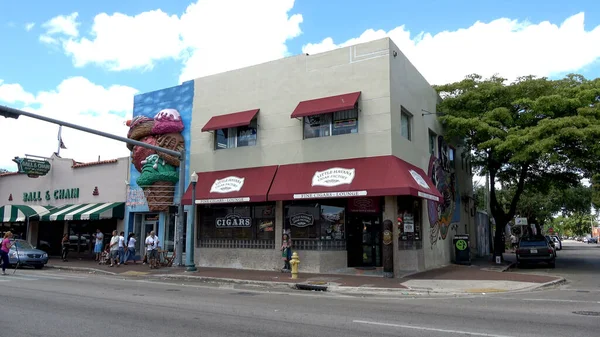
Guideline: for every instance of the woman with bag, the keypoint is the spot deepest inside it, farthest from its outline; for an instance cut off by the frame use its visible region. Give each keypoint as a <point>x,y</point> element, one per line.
<point>286,253</point>
<point>4,249</point>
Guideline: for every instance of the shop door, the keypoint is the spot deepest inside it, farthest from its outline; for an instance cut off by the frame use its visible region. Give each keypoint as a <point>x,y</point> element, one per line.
<point>150,223</point>
<point>364,241</point>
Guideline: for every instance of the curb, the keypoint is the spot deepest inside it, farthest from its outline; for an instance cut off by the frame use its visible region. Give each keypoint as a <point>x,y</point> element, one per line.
<point>99,271</point>
<point>331,288</point>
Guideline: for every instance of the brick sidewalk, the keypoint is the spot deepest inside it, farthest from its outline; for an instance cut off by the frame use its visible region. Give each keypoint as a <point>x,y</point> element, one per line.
<point>451,272</point>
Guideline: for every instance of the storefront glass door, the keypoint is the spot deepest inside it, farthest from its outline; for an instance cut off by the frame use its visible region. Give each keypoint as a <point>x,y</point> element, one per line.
<point>364,241</point>
<point>144,224</point>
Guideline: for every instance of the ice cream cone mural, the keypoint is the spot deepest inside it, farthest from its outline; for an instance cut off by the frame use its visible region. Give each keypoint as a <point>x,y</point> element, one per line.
<point>159,172</point>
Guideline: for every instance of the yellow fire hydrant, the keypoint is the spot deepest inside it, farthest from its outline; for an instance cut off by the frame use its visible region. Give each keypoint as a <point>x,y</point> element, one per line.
<point>294,262</point>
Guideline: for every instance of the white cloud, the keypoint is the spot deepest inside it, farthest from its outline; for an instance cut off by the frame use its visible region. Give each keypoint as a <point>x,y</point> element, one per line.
<point>210,36</point>
<point>13,93</point>
<point>29,26</point>
<point>75,100</point>
<point>507,47</point>
<point>62,26</point>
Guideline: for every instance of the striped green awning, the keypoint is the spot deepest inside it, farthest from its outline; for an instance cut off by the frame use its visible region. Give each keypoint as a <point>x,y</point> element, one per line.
<point>98,211</point>
<point>19,213</point>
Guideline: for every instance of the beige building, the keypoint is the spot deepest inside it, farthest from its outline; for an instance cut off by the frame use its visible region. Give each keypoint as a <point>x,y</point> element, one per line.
<point>72,197</point>
<point>326,147</point>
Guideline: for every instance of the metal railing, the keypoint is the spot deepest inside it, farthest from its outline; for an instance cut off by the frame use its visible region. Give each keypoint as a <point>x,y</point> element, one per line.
<point>236,243</point>
<point>318,245</point>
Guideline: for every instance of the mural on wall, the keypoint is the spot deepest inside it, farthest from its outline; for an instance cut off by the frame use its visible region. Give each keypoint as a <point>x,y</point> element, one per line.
<point>161,118</point>
<point>444,215</point>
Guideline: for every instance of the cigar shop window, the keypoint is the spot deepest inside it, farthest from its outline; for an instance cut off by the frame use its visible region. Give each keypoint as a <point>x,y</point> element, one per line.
<point>409,223</point>
<point>316,226</point>
<point>236,137</point>
<point>331,124</point>
<point>237,226</point>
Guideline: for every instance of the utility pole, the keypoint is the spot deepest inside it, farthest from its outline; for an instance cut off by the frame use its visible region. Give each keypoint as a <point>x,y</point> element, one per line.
<point>15,113</point>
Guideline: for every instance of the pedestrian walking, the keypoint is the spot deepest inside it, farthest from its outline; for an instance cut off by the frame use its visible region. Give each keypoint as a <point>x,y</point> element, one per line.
<point>99,243</point>
<point>152,249</point>
<point>286,253</point>
<point>130,253</point>
<point>4,249</point>
<point>122,248</point>
<point>65,245</point>
<point>114,249</point>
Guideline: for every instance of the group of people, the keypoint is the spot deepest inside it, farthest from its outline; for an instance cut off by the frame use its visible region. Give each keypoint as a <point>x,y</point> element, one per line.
<point>120,250</point>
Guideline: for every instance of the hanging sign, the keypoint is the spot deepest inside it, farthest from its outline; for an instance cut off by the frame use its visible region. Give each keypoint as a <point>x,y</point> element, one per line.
<point>333,177</point>
<point>233,221</point>
<point>227,185</point>
<point>32,167</point>
<point>302,220</point>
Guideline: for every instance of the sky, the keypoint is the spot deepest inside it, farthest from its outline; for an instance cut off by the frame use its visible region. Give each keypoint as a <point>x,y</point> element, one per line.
<point>83,61</point>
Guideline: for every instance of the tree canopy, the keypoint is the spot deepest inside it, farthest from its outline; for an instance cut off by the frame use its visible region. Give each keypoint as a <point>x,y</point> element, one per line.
<point>532,132</point>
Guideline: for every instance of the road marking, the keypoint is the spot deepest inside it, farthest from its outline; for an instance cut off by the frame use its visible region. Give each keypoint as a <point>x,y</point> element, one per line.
<point>461,332</point>
<point>546,300</point>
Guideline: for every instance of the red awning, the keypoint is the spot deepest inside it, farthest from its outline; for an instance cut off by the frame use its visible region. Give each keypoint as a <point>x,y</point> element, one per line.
<point>373,176</point>
<point>232,186</point>
<point>326,105</point>
<point>232,120</point>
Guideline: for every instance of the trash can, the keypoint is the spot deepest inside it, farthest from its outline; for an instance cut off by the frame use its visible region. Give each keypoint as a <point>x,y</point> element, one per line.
<point>462,252</point>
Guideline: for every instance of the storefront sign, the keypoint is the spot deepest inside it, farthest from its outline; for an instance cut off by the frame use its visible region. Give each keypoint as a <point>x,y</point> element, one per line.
<point>222,200</point>
<point>233,221</point>
<point>330,195</point>
<point>428,196</point>
<point>409,223</point>
<point>363,205</point>
<point>33,167</point>
<point>417,177</point>
<point>333,177</point>
<point>71,193</point>
<point>227,185</point>
<point>302,220</point>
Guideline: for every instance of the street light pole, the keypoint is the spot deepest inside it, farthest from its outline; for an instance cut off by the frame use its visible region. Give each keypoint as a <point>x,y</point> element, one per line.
<point>191,226</point>
<point>15,113</point>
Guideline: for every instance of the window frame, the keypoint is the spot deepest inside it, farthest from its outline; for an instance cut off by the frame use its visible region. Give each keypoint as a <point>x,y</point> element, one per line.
<point>435,137</point>
<point>235,130</point>
<point>405,112</point>
<point>204,220</point>
<point>332,121</point>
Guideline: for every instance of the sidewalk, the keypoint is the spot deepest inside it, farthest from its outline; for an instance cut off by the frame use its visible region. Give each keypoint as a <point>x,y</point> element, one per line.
<point>481,277</point>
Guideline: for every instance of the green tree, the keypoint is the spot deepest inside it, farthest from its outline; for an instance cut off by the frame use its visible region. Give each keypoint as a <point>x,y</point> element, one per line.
<point>530,131</point>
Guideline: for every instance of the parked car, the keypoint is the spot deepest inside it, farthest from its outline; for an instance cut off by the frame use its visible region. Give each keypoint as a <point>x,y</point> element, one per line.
<point>551,242</point>
<point>557,242</point>
<point>535,249</point>
<point>585,240</point>
<point>24,253</point>
<point>592,240</point>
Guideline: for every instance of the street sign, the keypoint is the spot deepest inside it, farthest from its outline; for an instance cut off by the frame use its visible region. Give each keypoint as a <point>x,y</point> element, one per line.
<point>521,221</point>
<point>33,167</point>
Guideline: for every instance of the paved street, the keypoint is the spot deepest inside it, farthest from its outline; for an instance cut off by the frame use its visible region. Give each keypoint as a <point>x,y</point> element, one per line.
<point>62,303</point>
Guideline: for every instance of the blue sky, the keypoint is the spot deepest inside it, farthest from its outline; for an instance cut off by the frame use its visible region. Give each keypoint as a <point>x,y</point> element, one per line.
<point>34,69</point>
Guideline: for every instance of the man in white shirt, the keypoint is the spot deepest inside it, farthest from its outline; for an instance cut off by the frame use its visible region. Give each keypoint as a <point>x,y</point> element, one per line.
<point>152,249</point>
<point>99,243</point>
<point>114,249</point>
<point>122,248</point>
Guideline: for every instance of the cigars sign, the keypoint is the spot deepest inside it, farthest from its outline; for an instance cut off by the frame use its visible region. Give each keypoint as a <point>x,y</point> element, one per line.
<point>227,185</point>
<point>335,176</point>
<point>233,221</point>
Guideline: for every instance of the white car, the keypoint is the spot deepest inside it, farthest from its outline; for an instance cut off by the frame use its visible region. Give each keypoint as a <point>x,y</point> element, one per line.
<point>585,240</point>
<point>557,242</point>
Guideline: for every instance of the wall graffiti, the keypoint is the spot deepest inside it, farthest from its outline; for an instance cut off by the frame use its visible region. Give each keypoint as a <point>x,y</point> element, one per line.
<point>444,216</point>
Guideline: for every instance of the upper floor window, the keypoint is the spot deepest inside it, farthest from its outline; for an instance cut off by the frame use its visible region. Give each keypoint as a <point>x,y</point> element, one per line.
<point>432,142</point>
<point>331,124</point>
<point>405,123</point>
<point>236,137</point>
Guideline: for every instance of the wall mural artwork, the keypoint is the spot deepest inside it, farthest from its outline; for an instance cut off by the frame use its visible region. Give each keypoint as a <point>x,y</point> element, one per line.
<point>444,215</point>
<point>161,118</point>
